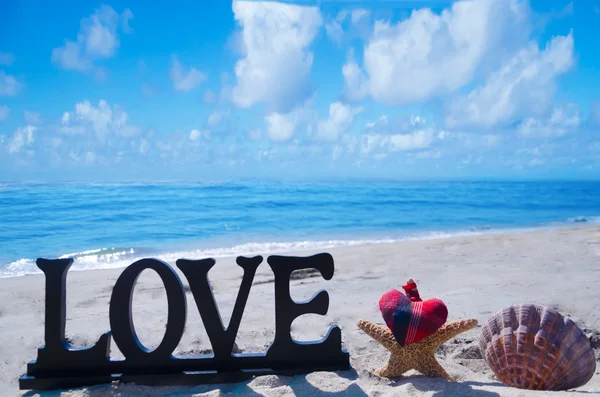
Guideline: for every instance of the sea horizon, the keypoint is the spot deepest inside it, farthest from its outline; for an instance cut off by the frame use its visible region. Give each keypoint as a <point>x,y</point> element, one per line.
<point>293,179</point>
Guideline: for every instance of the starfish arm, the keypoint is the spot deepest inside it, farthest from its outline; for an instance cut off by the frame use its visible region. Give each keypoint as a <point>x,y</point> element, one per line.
<point>449,331</point>
<point>429,366</point>
<point>381,334</point>
<point>394,368</point>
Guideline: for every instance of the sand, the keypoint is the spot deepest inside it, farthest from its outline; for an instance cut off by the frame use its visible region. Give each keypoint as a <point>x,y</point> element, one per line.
<point>475,276</point>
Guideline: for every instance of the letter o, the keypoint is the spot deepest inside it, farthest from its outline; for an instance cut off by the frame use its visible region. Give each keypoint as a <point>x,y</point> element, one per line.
<point>120,313</point>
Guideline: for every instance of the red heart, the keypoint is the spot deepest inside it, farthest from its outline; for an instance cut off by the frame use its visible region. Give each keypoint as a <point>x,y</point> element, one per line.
<point>409,321</point>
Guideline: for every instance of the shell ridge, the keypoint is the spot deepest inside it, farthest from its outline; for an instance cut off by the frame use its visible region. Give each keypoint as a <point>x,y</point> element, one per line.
<point>563,375</point>
<point>557,354</point>
<point>562,370</point>
<point>490,331</point>
<point>530,370</point>
<point>579,359</point>
<point>509,339</point>
<point>496,334</point>
<point>548,323</point>
<point>495,352</point>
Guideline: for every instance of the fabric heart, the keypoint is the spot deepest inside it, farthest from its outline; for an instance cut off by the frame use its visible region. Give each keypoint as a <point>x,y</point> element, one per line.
<point>410,321</point>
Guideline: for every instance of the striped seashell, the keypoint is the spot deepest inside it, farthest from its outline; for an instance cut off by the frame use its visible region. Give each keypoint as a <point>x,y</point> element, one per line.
<point>535,347</point>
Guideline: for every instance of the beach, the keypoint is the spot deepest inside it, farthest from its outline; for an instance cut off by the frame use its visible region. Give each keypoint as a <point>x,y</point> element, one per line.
<point>475,276</point>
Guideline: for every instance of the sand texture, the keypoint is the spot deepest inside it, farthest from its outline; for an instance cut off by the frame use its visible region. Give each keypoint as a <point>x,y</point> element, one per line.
<point>475,276</point>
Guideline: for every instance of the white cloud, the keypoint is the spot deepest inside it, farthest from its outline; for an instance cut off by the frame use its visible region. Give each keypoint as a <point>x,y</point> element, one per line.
<point>280,127</point>
<point>417,120</point>
<point>372,142</point>
<point>99,117</point>
<point>341,118</point>
<point>98,38</point>
<point>416,140</point>
<point>358,14</point>
<point>22,137</point>
<point>9,86</point>
<point>378,126</point>
<point>32,117</point>
<point>144,146</point>
<point>84,157</point>
<point>419,139</point>
<point>215,117</point>
<point>335,27</point>
<point>196,135</point>
<point>357,85</point>
<point>405,134</point>
<point>69,57</point>
<point>561,121</point>
<point>6,58</point>
<point>185,80</point>
<point>126,17</point>
<point>525,85</point>
<point>470,141</point>
<point>101,120</point>
<point>430,54</point>
<point>276,65</point>
<point>4,112</point>
<point>404,124</point>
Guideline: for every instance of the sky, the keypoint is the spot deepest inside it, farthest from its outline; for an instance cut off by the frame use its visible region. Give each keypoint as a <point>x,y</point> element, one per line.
<point>394,89</point>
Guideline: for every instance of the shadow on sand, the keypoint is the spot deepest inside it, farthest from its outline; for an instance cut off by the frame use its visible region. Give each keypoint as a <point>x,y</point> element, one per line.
<point>299,385</point>
<point>442,387</point>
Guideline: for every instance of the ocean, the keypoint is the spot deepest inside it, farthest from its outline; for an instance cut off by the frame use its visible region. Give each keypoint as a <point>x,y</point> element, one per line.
<point>112,225</point>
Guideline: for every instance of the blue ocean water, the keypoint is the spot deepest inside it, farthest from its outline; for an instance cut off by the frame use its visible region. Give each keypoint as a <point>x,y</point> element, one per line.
<point>111,225</point>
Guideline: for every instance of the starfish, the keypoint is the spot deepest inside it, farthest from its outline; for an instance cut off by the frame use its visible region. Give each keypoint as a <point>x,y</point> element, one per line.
<point>419,355</point>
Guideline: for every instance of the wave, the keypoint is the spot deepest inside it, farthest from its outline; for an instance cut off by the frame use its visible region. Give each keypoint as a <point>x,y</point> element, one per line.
<point>111,258</point>
<point>101,258</point>
<point>114,258</point>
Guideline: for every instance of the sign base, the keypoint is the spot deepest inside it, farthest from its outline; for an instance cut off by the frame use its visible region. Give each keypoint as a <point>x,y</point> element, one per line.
<point>188,378</point>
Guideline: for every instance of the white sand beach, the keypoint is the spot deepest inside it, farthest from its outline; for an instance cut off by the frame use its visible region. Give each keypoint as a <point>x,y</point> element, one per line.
<point>475,276</point>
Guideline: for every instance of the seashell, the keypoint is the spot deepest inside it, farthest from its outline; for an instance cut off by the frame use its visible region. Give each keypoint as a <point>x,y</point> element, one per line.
<point>534,347</point>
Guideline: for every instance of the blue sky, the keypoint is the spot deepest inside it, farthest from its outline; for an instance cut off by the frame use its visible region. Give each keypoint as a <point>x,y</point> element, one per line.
<point>389,89</point>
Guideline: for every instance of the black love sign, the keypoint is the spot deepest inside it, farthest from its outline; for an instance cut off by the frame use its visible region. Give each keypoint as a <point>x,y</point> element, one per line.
<point>59,365</point>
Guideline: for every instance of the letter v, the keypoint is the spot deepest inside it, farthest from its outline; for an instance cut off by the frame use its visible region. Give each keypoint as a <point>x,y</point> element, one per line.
<point>196,272</point>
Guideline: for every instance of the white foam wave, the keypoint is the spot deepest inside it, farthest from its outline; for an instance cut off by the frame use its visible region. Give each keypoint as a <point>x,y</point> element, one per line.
<point>249,249</point>
<point>101,258</point>
<point>100,253</point>
<point>111,258</point>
